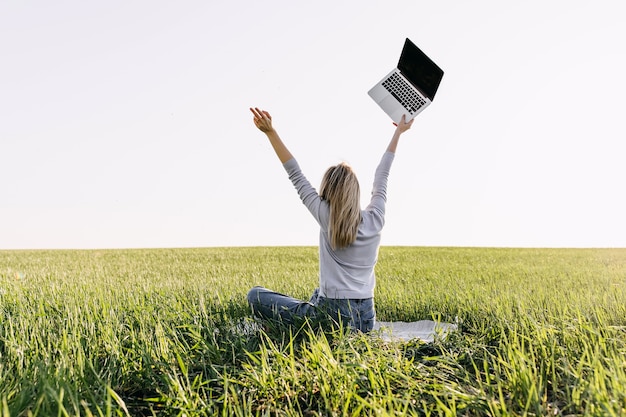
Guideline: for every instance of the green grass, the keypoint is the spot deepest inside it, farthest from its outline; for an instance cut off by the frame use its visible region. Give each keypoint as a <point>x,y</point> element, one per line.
<point>152,332</point>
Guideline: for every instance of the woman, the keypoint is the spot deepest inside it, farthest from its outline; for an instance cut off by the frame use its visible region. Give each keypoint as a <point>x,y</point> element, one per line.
<point>348,243</point>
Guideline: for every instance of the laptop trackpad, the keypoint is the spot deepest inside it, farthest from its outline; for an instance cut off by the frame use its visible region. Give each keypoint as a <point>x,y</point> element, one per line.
<point>389,104</point>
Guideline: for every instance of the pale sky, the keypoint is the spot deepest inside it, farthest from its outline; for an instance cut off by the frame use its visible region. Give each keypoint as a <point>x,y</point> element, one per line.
<point>125,124</point>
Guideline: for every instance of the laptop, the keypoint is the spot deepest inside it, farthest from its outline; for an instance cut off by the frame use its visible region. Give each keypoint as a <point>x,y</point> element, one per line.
<point>410,87</point>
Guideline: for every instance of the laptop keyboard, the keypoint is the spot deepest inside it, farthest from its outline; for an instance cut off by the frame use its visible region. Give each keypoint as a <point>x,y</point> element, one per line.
<point>404,93</point>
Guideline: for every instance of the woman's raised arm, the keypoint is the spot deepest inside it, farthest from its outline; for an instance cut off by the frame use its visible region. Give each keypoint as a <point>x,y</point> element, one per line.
<point>263,121</point>
<point>400,129</point>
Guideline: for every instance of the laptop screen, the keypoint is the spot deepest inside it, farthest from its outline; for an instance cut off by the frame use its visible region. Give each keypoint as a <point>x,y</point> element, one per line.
<point>419,69</point>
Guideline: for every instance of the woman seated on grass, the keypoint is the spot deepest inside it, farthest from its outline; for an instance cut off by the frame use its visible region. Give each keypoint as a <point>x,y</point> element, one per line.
<point>349,240</point>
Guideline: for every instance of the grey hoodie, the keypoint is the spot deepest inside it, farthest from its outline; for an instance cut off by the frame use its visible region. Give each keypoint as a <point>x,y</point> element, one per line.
<point>347,272</point>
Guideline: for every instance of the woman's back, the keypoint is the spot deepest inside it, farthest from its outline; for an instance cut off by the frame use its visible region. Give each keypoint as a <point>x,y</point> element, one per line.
<point>347,272</point>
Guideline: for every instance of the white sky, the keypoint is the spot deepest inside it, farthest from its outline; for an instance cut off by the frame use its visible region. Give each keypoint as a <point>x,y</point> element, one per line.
<point>125,123</point>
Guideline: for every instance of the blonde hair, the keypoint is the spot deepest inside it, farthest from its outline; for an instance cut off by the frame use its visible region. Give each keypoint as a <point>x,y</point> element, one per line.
<point>340,188</point>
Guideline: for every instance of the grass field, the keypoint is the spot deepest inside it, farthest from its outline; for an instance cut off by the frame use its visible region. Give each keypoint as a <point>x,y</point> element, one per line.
<point>154,332</point>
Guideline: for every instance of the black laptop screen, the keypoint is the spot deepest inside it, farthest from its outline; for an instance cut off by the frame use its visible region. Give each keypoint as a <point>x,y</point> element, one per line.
<point>420,69</point>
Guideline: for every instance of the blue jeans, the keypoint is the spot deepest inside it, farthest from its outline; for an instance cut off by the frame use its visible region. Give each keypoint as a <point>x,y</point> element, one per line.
<point>358,314</point>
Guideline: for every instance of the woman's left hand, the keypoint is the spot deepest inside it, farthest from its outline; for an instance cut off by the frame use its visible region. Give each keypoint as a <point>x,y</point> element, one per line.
<point>262,120</point>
